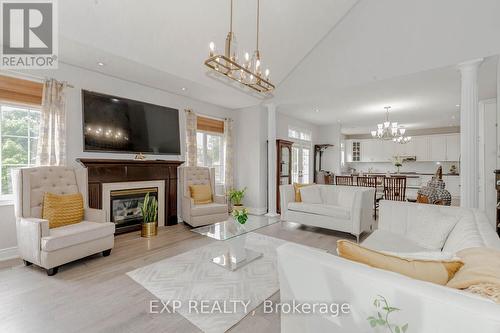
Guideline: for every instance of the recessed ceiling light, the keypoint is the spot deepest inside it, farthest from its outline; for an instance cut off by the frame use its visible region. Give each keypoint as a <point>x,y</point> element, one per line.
<point>183,88</point>
<point>100,63</point>
<point>458,105</point>
<point>317,110</point>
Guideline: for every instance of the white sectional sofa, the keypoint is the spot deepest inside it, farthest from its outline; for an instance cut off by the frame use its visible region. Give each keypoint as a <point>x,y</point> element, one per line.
<point>310,275</point>
<point>342,208</point>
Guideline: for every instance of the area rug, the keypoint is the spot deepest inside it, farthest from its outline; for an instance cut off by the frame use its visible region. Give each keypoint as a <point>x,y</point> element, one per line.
<point>209,295</point>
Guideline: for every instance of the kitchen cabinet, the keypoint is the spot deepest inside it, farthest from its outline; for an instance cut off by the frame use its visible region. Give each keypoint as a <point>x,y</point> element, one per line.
<point>437,148</point>
<point>452,185</point>
<point>421,147</point>
<point>426,148</point>
<point>452,147</point>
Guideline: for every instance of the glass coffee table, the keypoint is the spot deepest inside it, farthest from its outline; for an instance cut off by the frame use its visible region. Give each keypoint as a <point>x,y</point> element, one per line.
<point>234,235</point>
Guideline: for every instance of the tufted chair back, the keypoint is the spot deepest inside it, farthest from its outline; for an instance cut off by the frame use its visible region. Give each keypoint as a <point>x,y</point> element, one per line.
<point>197,176</point>
<point>30,185</point>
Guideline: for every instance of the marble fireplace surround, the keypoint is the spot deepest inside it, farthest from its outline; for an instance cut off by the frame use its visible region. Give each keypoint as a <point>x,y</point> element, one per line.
<point>159,184</point>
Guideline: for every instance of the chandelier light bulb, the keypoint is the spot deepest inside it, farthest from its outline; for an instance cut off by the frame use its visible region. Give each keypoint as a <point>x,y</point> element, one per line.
<point>212,49</point>
<point>374,133</point>
<point>402,131</point>
<point>386,124</point>
<point>266,73</point>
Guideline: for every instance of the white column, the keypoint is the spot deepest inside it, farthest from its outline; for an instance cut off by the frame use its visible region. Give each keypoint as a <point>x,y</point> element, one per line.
<point>271,160</point>
<point>469,135</point>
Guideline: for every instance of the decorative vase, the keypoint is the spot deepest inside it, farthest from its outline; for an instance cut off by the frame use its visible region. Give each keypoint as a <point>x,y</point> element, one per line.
<point>149,229</point>
<point>238,208</point>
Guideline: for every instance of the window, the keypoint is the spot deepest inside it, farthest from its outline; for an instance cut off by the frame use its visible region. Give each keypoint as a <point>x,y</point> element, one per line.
<point>210,152</point>
<point>299,134</point>
<point>18,140</point>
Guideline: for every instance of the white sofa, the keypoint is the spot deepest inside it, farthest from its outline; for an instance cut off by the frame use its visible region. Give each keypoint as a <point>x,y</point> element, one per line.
<point>308,274</point>
<point>51,248</point>
<point>342,208</point>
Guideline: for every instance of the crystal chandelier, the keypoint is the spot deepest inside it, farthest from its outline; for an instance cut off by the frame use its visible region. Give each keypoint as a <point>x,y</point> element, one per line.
<point>390,130</point>
<point>247,72</point>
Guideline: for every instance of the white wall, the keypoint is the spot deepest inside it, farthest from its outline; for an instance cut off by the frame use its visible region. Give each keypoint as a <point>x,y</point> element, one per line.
<point>89,80</point>
<point>331,134</point>
<point>251,157</point>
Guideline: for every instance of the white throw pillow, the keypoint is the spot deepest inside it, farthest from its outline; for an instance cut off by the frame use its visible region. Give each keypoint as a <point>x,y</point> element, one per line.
<point>311,194</point>
<point>429,228</point>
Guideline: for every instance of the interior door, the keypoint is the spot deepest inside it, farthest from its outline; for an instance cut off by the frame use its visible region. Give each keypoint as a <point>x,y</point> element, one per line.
<point>301,157</point>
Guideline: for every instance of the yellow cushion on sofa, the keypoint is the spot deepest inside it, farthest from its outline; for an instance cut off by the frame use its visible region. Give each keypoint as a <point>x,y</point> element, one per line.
<point>436,271</point>
<point>201,194</point>
<point>481,265</point>
<point>296,187</point>
<point>62,210</point>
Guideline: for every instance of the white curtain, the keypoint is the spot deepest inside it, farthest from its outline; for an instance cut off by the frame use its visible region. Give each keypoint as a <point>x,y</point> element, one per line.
<point>190,138</point>
<point>229,158</point>
<point>51,148</point>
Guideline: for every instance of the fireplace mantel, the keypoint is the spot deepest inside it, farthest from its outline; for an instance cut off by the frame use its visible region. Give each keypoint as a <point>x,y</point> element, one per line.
<point>102,171</point>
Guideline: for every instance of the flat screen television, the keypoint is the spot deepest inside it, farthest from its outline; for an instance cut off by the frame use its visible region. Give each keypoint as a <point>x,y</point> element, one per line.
<point>121,125</point>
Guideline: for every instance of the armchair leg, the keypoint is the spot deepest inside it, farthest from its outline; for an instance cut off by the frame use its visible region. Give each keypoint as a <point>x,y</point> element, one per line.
<point>52,271</point>
<point>27,263</point>
<point>106,253</point>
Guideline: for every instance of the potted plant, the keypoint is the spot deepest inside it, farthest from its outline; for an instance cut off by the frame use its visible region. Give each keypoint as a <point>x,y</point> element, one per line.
<point>235,197</point>
<point>240,215</point>
<point>398,162</point>
<point>149,210</point>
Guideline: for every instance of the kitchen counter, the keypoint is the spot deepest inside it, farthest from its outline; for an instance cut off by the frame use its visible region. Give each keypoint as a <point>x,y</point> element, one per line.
<point>407,174</point>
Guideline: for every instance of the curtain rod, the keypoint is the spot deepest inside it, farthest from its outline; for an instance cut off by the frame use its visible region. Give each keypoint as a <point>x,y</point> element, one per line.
<point>36,77</point>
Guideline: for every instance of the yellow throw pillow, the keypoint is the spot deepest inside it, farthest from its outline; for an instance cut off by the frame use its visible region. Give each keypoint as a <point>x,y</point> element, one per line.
<point>296,187</point>
<point>62,210</point>
<point>201,194</point>
<point>436,271</point>
<point>481,265</point>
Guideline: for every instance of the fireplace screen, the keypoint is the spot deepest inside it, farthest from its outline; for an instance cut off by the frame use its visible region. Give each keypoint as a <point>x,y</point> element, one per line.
<point>125,206</point>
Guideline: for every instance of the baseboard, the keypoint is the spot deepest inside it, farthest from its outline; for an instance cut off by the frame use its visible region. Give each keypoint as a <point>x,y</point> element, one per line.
<point>8,253</point>
<point>257,211</point>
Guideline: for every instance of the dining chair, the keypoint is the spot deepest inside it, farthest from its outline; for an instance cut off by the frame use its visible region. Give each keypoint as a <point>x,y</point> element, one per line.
<point>395,188</point>
<point>371,181</point>
<point>344,180</point>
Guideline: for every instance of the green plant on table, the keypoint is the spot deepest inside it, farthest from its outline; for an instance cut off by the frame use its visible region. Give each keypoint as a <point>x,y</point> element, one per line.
<point>382,317</point>
<point>240,215</point>
<point>149,209</point>
<point>236,196</point>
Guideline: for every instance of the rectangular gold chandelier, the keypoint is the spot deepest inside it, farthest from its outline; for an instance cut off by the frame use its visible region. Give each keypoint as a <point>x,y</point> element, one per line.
<point>225,66</point>
<point>249,73</point>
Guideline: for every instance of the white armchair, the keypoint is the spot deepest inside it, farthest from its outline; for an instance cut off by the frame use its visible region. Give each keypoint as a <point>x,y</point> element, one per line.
<point>197,215</point>
<point>51,248</point>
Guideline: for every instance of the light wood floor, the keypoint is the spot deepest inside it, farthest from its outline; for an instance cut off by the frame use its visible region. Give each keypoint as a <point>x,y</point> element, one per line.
<point>95,295</point>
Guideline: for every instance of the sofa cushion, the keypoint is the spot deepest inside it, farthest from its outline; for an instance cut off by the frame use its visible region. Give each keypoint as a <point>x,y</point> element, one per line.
<point>320,209</point>
<point>208,209</point>
<point>296,188</point>
<point>61,210</point>
<point>201,194</point>
<point>311,195</point>
<point>465,234</point>
<point>346,198</point>
<point>383,240</point>
<point>430,228</point>
<point>436,271</point>
<point>74,234</point>
<point>482,265</point>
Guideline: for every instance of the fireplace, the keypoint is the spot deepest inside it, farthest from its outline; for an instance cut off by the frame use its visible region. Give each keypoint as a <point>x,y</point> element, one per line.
<point>125,207</point>
<point>122,202</point>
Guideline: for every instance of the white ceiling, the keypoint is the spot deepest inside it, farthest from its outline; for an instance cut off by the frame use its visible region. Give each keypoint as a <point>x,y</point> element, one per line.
<point>390,52</point>
<point>163,43</point>
<point>418,101</point>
